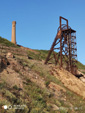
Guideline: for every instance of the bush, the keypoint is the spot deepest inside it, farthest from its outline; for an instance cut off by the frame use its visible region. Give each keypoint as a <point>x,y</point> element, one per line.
<point>11,97</point>
<point>2,85</point>
<point>47,83</point>
<point>15,87</point>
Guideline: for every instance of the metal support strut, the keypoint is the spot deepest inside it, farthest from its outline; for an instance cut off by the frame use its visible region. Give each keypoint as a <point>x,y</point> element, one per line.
<point>64,48</point>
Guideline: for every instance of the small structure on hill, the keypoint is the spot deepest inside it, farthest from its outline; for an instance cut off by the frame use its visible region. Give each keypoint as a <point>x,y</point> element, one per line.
<point>64,49</point>
<point>13,38</point>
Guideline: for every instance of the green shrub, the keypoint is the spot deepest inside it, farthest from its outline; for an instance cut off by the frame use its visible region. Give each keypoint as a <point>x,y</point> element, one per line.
<point>47,83</point>
<point>10,96</point>
<point>2,85</point>
<point>15,87</point>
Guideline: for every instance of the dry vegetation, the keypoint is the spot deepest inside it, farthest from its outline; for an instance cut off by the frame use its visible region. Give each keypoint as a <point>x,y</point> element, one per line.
<point>38,88</point>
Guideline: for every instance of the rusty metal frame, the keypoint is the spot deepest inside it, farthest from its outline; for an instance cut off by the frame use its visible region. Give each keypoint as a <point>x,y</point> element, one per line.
<point>66,47</point>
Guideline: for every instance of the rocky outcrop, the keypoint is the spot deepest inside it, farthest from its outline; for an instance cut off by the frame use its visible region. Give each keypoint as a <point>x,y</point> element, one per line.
<point>70,81</point>
<point>9,55</point>
<point>82,79</point>
<point>3,63</point>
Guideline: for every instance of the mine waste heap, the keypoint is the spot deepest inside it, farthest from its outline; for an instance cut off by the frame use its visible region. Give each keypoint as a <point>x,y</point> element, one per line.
<point>64,49</point>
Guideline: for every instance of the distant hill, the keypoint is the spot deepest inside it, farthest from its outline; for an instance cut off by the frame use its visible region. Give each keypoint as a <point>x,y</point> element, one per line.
<point>27,85</point>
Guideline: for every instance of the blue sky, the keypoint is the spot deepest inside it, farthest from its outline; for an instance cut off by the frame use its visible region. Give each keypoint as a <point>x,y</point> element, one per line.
<point>38,20</point>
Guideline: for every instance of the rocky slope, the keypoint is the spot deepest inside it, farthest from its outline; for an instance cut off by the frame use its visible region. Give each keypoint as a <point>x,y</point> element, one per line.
<point>27,85</point>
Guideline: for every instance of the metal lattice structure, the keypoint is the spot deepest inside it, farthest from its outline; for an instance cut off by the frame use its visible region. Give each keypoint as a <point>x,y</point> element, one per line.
<point>64,48</point>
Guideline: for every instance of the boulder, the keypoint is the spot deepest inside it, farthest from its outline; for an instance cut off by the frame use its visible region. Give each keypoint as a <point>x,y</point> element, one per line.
<point>9,55</point>
<point>82,79</point>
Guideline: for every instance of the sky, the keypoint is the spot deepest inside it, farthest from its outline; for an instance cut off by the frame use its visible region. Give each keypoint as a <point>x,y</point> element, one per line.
<point>37,22</point>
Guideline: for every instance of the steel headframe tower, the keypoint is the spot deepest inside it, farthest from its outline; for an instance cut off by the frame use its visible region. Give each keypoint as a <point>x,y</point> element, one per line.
<point>64,49</point>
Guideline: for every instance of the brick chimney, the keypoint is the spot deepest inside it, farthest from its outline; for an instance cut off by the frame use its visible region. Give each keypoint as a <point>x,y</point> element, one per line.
<point>13,38</point>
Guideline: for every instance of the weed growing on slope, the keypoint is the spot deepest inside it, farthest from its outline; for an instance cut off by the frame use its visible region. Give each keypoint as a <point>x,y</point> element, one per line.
<point>2,85</point>
<point>39,97</point>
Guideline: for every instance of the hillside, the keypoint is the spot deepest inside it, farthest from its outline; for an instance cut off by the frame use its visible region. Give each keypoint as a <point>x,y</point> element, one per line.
<point>27,85</point>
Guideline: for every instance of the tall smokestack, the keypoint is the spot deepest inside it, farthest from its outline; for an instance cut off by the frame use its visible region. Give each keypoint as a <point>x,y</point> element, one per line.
<point>13,38</point>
